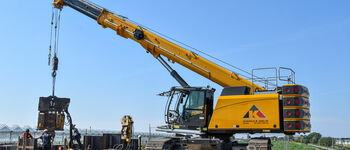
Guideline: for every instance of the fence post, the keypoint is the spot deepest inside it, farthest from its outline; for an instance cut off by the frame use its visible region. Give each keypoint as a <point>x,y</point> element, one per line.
<point>139,142</point>
<point>11,136</point>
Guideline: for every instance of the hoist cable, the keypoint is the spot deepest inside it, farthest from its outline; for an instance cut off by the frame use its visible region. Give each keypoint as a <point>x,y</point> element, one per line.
<point>52,17</point>
<point>55,43</point>
<point>57,18</point>
<point>58,29</point>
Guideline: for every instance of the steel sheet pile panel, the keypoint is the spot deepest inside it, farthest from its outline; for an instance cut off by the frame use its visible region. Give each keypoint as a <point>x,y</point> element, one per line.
<point>111,140</point>
<point>51,113</point>
<point>93,142</point>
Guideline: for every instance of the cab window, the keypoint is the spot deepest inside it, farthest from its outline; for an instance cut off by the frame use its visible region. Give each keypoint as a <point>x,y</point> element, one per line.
<point>195,100</point>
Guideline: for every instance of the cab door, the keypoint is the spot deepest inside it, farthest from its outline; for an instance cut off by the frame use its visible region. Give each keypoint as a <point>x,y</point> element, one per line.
<point>192,114</point>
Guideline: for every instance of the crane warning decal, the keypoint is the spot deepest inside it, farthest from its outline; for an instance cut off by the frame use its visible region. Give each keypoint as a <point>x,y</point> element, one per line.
<point>254,113</point>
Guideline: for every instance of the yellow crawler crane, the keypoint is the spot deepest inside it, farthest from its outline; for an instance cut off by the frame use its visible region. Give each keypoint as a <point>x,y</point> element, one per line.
<point>244,106</point>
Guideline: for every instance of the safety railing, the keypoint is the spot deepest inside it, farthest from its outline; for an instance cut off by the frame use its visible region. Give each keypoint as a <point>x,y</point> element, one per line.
<point>272,78</point>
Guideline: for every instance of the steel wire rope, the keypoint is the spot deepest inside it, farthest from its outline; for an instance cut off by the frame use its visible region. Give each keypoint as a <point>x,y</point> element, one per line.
<point>52,16</point>
<point>58,30</point>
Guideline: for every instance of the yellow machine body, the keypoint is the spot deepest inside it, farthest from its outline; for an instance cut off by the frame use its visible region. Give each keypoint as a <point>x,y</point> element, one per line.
<point>246,112</point>
<point>259,110</point>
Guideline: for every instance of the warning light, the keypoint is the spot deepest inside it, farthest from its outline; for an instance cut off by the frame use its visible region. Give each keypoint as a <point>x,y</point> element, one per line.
<point>288,113</point>
<point>289,125</point>
<point>296,101</point>
<point>288,101</point>
<point>297,113</point>
<point>297,124</point>
<point>287,90</point>
<point>296,89</point>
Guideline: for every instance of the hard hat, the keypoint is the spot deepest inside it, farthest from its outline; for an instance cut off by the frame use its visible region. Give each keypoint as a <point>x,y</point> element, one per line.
<point>46,130</point>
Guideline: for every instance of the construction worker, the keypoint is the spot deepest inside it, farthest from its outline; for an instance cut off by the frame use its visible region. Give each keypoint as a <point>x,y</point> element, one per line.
<point>27,135</point>
<point>77,136</point>
<point>47,139</point>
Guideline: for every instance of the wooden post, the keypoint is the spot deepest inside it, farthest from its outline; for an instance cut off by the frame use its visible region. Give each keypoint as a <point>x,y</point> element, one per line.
<point>24,140</point>
<point>18,141</point>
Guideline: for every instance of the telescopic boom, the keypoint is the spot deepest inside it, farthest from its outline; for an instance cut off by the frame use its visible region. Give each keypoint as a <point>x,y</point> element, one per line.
<point>158,46</point>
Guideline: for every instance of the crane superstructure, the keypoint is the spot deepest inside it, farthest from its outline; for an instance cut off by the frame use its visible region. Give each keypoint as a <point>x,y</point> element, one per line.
<point>243,106</point>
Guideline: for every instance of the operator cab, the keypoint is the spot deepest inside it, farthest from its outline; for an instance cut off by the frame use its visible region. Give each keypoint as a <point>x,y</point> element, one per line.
<point>188,107</point>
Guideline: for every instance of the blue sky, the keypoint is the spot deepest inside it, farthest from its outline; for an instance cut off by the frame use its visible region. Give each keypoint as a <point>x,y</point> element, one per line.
<point>107,76</point>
